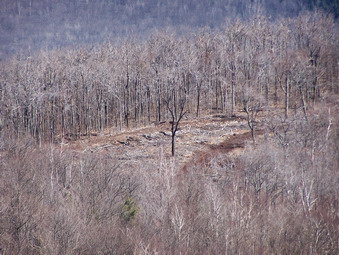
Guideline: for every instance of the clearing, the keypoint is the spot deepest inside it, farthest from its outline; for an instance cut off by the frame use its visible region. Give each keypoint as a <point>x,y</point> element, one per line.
<point>152,143</point>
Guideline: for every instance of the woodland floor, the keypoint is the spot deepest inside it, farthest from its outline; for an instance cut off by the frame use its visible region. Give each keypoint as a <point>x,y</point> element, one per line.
<point>197,138</point>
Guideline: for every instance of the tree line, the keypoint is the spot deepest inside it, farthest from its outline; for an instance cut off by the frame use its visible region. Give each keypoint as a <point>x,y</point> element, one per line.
<point>69,93</point>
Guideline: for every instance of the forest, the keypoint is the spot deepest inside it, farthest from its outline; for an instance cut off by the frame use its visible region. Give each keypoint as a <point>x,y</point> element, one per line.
<point>270,189</point>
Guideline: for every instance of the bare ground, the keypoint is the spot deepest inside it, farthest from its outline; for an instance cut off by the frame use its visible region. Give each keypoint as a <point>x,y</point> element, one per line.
<point>149,144</point>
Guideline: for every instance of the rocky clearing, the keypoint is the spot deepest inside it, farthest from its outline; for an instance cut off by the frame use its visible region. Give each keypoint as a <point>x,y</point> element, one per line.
<point>153,143</point>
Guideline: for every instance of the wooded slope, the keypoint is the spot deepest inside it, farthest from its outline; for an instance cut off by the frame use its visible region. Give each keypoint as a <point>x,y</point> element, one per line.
<point>68,93</point>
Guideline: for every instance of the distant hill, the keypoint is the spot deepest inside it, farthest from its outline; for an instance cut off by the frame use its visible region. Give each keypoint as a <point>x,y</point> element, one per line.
<point>30,25</point>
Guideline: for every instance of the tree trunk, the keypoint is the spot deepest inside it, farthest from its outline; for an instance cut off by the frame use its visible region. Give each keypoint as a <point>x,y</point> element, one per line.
<point>173,144</point>
<point>286,97</point>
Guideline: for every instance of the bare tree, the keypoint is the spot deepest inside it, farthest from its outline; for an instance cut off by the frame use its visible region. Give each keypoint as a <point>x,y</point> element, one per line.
<point>252,106</point>
<point>175,103</point>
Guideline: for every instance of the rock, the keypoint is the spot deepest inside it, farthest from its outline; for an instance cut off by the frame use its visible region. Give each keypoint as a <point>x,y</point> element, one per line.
<point>164,133</point>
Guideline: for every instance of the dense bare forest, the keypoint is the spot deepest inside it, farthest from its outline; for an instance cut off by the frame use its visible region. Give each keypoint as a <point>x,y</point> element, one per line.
<point>278,194</point>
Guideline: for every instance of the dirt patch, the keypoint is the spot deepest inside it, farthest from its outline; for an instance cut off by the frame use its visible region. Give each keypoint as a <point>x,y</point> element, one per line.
<point>232,145</point>
<point>196,139</point>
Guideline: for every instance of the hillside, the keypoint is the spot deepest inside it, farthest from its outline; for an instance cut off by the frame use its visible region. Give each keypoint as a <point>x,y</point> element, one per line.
<point>220,141</point>
<point>27,26</point>
<point>123,192</point>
